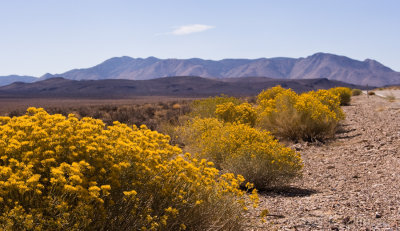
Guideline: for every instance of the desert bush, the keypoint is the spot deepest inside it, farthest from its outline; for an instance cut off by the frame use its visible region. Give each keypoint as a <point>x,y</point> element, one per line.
<point>390,97</point>
<point>371,93</point>
<point>205,108</point>
<point>330,100</point>
<point>344,94</point>
<point>15,112</point>
<point>271,93</point>
<point>59,173</point>
<point>241,149</point>
<point>150,114</point>
<point>242,113</point>
<point>356,92</point>
<point>310,116</point>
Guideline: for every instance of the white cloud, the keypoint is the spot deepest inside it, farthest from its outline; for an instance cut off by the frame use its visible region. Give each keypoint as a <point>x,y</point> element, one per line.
<point>189,29</point>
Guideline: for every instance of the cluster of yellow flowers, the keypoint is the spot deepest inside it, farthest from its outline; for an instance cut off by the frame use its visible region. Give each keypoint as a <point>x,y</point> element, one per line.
<point>242,113</point>
<point>242,149</point>
<point>59,173</point>
<point>344,94</point>
<point>309,116</point>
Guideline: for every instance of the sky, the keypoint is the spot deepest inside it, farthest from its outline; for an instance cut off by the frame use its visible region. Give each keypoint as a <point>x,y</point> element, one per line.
<point>47,36</point>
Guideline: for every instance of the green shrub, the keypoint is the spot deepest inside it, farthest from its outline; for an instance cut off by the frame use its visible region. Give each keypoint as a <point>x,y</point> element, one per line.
<point>59,173</point>
<point>241,149</point>
<point>356,92</point>
<point>344,94</point>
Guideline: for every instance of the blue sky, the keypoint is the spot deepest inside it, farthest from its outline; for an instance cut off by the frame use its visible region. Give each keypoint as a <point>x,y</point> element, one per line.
<point>55,36</point>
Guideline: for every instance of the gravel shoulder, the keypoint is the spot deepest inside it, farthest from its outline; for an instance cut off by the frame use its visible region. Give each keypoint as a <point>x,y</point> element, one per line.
<point>349,183</point>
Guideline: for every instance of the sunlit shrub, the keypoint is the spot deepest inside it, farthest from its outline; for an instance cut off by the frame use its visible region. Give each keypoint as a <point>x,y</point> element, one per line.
<point>344,94</point>
<point>318,119</point>
<point>242,113</point>
<point>59,173</point>
<point>356,92</point>
<point>309,116</point>
<point>279,116</point>
<point>205,108</point>
<point>271,93</point>
<point>241,149</point>
<point>331,100</point>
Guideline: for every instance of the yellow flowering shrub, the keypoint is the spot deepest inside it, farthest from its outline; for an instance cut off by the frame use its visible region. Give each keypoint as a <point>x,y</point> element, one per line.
<point>344,94</point>
<point>241,149</point>
<point>309,116</point>
<point>330,100</point>
<point>271,93</point>
<point>59,173</point>
<point>205,108</point>
<point>242,113</point>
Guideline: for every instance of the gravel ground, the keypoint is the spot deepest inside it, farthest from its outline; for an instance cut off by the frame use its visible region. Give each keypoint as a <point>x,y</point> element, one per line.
<point>349,183</point>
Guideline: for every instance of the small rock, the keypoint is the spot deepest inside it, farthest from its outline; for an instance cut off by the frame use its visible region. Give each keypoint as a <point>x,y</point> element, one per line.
<point>378,215</point>
<point>347,220</point>
<point>330,167</point>
<point>335,228</point>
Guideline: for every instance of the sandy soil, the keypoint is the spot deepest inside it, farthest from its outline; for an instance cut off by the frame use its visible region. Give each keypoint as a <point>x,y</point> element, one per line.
<point>349,183</point>
<point>388,93</point>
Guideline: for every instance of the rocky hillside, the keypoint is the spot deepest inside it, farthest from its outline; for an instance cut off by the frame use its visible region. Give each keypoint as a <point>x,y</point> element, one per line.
<point>319,65</point>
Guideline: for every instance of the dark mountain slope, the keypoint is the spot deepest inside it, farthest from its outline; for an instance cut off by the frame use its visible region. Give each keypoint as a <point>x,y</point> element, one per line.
<point>171,86</point>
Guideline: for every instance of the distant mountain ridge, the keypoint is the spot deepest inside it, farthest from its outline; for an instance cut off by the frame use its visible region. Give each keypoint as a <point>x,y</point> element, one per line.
<point>319,65</point>
<point>5,80</point>
<point>182,86</point>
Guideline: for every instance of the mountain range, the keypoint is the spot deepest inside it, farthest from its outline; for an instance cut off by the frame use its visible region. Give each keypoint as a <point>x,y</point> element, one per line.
<point>319,65</point>
<point>5,80</point>
<point>182,86</point>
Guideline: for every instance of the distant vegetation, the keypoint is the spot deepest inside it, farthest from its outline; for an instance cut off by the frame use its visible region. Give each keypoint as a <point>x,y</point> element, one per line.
<point>153,115</point>
<point>356,92</point>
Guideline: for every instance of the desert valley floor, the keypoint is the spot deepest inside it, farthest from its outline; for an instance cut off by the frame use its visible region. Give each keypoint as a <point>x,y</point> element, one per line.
<point>349,183</point>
